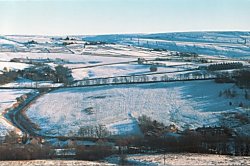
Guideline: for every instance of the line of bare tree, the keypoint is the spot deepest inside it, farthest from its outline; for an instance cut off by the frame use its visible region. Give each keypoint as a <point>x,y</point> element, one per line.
<point>143,78</point>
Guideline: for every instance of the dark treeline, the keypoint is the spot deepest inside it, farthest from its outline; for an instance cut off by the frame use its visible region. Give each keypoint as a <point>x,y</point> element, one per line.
<point>12,148</point>
<point>240,77</point>
<point>221,140</point>
<point>8,77</point>
<point>156,138</point>
<point>61,74</point>
<point>225,66</point>
<point>24,152</point>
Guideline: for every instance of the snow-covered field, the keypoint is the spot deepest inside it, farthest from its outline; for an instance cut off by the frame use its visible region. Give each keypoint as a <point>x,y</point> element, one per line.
<point>149,160</point>
<point>69,58</point>
<point>53,162</point>
<point>24,39</point>
<point>107,70</point>
<point>125,49</point>
<point>185,104</point>
<point>189,104</point>
<point>229,44</point>
<point>184,159</point>
<point>7,99</point>
<point>13,66</point>
<point>21,82</point>
<point>118,70</point>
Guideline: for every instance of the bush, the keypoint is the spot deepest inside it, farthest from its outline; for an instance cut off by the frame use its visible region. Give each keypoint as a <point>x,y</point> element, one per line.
<point>93,153</point>
<point>150,127</point>
<point>153,68</point>
<point>39,73</point>
<point>63,74</point>
<point>242,118</point>
<point>242,78</point>
<point>98,131</point>
<point>24,152</point>
<point>8,77</point>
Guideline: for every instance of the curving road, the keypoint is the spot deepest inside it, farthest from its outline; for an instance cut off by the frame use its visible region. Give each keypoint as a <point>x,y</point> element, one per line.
<point>18,120</point>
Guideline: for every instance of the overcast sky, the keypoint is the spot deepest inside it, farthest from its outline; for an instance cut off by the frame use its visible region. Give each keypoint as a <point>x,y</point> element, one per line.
<point>84,17</point>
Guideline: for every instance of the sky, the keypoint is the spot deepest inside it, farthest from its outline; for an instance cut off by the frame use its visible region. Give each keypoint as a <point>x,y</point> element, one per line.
<point>91,17</point>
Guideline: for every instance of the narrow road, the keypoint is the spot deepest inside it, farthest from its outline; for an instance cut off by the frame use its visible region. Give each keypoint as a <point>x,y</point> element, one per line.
<point>18,120</point>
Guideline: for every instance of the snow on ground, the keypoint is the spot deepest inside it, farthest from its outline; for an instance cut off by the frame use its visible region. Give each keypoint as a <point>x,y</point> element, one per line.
<point>6,42</point>
<point>188,159</point>
<point>13,65</point>
<point>150,160</point>
<point>22,82</point>
<point>25,39</point>
<point>203,47</point>
<point>73,61</point>
<point>117,70</point>
<point>5,127</point>
<point>117,106</point>
<point>69,58</point>
<point>230,44</point>
<point>53,162</point>
<point>7,99</point>
<point>119,51</point>
<point>193,103</point>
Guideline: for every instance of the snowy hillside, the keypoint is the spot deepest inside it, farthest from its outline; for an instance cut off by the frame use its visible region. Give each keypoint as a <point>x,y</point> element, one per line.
<point>189,104</point>
<point>229,44</point>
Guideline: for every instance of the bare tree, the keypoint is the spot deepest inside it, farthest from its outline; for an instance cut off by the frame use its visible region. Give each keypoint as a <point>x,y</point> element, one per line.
<point>12,138</point>
<point>101,131</point>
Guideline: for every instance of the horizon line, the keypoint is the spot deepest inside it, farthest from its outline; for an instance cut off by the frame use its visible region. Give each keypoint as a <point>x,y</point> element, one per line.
<point>132,33</point>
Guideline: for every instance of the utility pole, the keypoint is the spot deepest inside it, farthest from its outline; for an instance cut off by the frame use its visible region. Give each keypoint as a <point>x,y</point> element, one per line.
<point>164,157</point>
